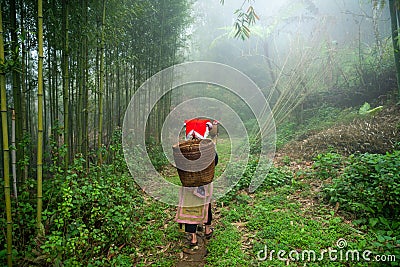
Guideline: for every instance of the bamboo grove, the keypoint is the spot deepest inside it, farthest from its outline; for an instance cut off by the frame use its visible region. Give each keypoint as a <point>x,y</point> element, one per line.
<point>68,71</point>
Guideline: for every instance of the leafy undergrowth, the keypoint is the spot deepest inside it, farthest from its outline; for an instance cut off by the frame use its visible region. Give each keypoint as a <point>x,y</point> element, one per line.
<point>284,219</point>
<point>333,211</point>
<point>367,188</point>
<point>99,220</point>
<point>305,213</point>
<point>92,218</point>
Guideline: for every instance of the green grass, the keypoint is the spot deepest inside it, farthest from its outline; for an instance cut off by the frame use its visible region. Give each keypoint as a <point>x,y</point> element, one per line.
<point>283,214</point>
<point>223,148</point>
<point>272,219</point>
<point>225,250</point>
<point>174,179</point>
<point>111,222</point>
<point>279,216</point>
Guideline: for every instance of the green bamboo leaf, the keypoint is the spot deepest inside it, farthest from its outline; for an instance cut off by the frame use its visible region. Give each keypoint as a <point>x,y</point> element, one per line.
<point>364,108</point>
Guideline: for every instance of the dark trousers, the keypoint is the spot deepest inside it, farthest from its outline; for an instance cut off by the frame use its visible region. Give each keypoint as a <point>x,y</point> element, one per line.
<point>192,228</point>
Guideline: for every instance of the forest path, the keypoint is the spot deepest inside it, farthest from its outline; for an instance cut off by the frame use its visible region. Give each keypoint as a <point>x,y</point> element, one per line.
<point>197,257</point>
<point>194,257</point>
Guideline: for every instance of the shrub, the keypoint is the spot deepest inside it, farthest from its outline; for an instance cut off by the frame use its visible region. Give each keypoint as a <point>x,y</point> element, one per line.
<point>285,133</point>
<point>327,165</point>
<point>87,218</point>
<point>255,144</point>
<point>369,185</point>
<point>156,155</point>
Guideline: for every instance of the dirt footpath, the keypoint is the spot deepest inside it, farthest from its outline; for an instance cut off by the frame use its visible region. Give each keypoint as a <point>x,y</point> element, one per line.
<point>194,257</point>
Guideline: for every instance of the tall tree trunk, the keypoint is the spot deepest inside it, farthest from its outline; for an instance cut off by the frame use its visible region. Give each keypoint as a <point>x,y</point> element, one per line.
<point>80,71</point>
<point>95,99</point>
<point>101,87</point>
<point>72,107</point>
<point>86,89</point>
<point>16,84</point>
<point>54,89</point>
<point>14,156</point>
<point>395,39</point>
<point>126,83</point>
<point>23,97</point>
<point>40,229</point>
<point>65,81</point>
<point>109,95</point>
<point>6,170</point>
<point>118,90</point>
<point>50,86</point>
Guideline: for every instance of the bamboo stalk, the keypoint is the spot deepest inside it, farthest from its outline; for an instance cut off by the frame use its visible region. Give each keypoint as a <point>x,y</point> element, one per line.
<point>66,82</point>
<point>86,94</point>
<point>40,229</point>
<point>5,145</point>
<point>23,98</point>
<point>14,156</point>
<point>101,85</point>
<point>16,81</point>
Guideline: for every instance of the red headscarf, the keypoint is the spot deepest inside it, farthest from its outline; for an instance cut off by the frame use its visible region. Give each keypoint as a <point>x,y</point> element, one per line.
<point>197,128</point>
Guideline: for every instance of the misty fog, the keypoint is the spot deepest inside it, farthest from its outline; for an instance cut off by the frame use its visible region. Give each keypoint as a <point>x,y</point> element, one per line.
<point>285,26</point>
<point>296,48</point>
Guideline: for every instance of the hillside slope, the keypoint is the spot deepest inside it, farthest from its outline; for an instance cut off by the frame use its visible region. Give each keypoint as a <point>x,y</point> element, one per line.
<point>377,133</point>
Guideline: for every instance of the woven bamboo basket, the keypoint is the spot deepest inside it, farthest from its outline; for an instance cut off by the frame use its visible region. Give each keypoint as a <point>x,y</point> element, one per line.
<point>194,173</point>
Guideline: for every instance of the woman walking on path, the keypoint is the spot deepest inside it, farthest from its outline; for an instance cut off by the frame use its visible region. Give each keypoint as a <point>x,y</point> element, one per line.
<point>194,207</point>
